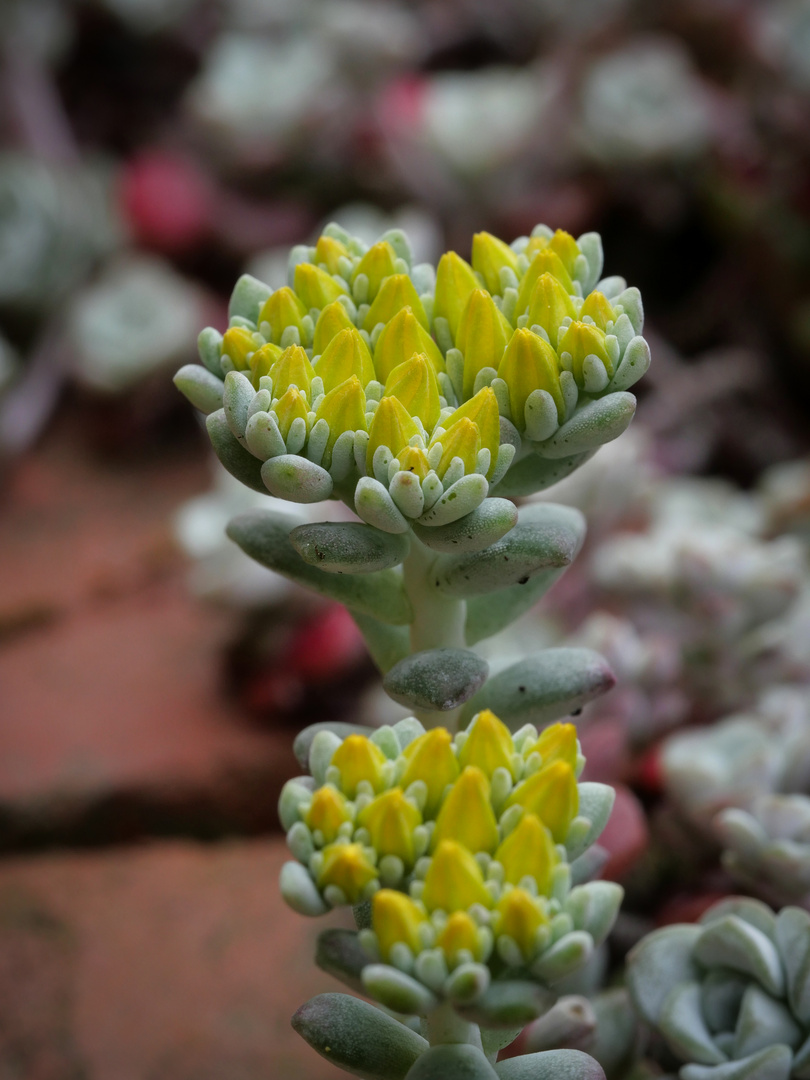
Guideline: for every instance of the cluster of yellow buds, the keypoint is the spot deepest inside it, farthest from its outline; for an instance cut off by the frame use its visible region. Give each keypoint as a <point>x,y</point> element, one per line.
<point>412,391</point>
<point>462,844</point>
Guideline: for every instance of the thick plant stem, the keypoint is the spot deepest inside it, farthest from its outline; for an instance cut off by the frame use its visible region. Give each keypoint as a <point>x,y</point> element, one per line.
<point>443,1025</point>
<point>438,620</point>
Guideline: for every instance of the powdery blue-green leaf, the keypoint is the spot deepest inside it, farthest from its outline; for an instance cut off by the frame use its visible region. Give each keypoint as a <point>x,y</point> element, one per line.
<point>466,983</point>
<point>476,531</point>
<point>509,1004</point>
<point>595,803</point>
<point>340,953</point>
<point>209,346</point>
<point>293,794</point>
<point>771,1064</point>
<point>304,739</point>
<point>397,991</point>
<point>294,478</point>
<point>596,423</point>
<point>721,995</point>
<point>594,907</point>
<point>660,961</point>
<point>488,615</point>
<point>437,679</point>
<point>202,388</point>
<point>749,910</point>
<point>237,397</point>
<point>565,956</point>
<point>793,940</point>
<point>801,1061</point>
<point>376,507</point>
<point>571,1021</point>
<point>457,1062</point>
<point>546,537</point>
<point>247,298</point>
<point>682,1025</point>
<point>347,547</point>
<point>534,473</point>
<point>544,687</point>
<point>617,1035</point>
<point>299,891</point>
<point>588,865</point>
<point>386,644</point>
<point>551,1065</point>
<point>732,943</point>
<point>355,1036</point>
<point>763,1022</point>
<point>461,498</point>
<point>239,462</point>
<point>266,539</point>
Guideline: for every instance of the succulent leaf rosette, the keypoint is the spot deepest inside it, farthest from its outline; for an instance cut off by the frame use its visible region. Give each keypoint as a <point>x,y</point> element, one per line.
<point>767,846</point>
<point>412,393</point>
<point>730,994</point>
<point>466,848</point>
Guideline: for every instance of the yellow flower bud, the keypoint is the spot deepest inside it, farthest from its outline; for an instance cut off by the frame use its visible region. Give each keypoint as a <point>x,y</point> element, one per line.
<point>489,256</point>
<point>489,744</point>
<point>455,280</point>
<point>521,918</point>
<point>328,251</point>
<point>396,292</point>
<point>557,743</point>
<point>581,340</point>
<point>378,263</point>
<point>454,881</point>
<point>402,337</point>
<point>390,820</point>
<point>414,459</point>
<point>414,384</point>
<point>348,867</point>
<point>292,368</point>
<point>345,355</point>
<point>482,410</point>
<point>289,407</point>
<point>261,362</point>
<point>552,794</point>
<point>460,932</point>
<point>598,307</point>
<point>238,343</point>
<point>544,262</point>
<point>280,310</point>
<point>431,759</point>
<point>528,851</point>
<point>561,243</point>
<point>332,319</point>
<point>463,440</point>
<point>395,917</point>
<point>483,334</point>
<point>466,815</point>
<point>315,287</point>
<point>530,364</point>
<point>549,304</point>
<point>327,812</point>
<point>344,409</point>
<point>391,426</point>
<point>358,759</point>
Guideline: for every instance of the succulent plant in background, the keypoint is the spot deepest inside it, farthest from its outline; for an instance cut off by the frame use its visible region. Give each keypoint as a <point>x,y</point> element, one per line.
<point>424,399</point>
<point>766,848</point>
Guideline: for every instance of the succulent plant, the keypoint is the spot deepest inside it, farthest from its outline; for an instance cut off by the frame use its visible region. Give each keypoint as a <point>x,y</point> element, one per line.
<point>766,848</point>
<point>729,994</point>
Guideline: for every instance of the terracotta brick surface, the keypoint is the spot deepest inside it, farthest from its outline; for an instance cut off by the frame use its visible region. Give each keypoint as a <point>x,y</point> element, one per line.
<point>170,962</point>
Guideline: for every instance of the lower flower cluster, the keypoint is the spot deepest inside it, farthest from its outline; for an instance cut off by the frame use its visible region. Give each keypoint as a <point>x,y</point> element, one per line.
<point>466,848</point>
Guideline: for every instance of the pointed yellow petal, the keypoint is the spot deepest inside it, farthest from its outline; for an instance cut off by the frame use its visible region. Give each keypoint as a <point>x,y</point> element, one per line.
<point>454,881</point>
<point>402,337</point>
<point>482,410</point>
<point>544,262</point>
<point>378,263</point>
<point>328,251</point>
<point>346,355</point>
<point>390,820</point>
<point>557,743</point>
<point>348,867</point>
<point>414,459</point>
<point>290,407</point>
<point>395,293</point>
<point>598,307</point>
<point>262,361</point>
<point>489,256</point>
<point>561,243</point>
<point>431,759</point>
<point>391,426</point>
<point>521,918</point>
<point>332,319</point>
<point>238,343</point>
<point>282,309</point>
<point>549,304</point>
<point>292,368</point>
<point>581,340</point>
<point>483,334</point>
<point>327,812</point>
<point>530,364</point>
<point>315,287</point>
<point>463,440</point>
<point>552,794</point>
<point>528,851</point>
<point>455,281</point>
<point>414,384</point>
<point>394,918</point>
<point>358,759</point>
<point>466,815</point>
<point>460,932</point>
<point>489,744</point>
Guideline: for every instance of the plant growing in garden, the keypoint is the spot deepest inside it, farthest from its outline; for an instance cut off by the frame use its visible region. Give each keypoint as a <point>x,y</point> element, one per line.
<point>426,400</point>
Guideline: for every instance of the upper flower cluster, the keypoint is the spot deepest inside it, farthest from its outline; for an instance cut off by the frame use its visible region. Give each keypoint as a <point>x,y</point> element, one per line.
<point>366,376</point>
<point>462,845</point>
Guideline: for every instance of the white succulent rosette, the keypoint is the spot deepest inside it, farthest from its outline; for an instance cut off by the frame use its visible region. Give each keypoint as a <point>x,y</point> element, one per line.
<point>766,847</point>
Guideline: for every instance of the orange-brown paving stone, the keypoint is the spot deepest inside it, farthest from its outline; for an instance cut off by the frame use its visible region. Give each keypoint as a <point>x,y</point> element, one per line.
<point>173,961</point>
